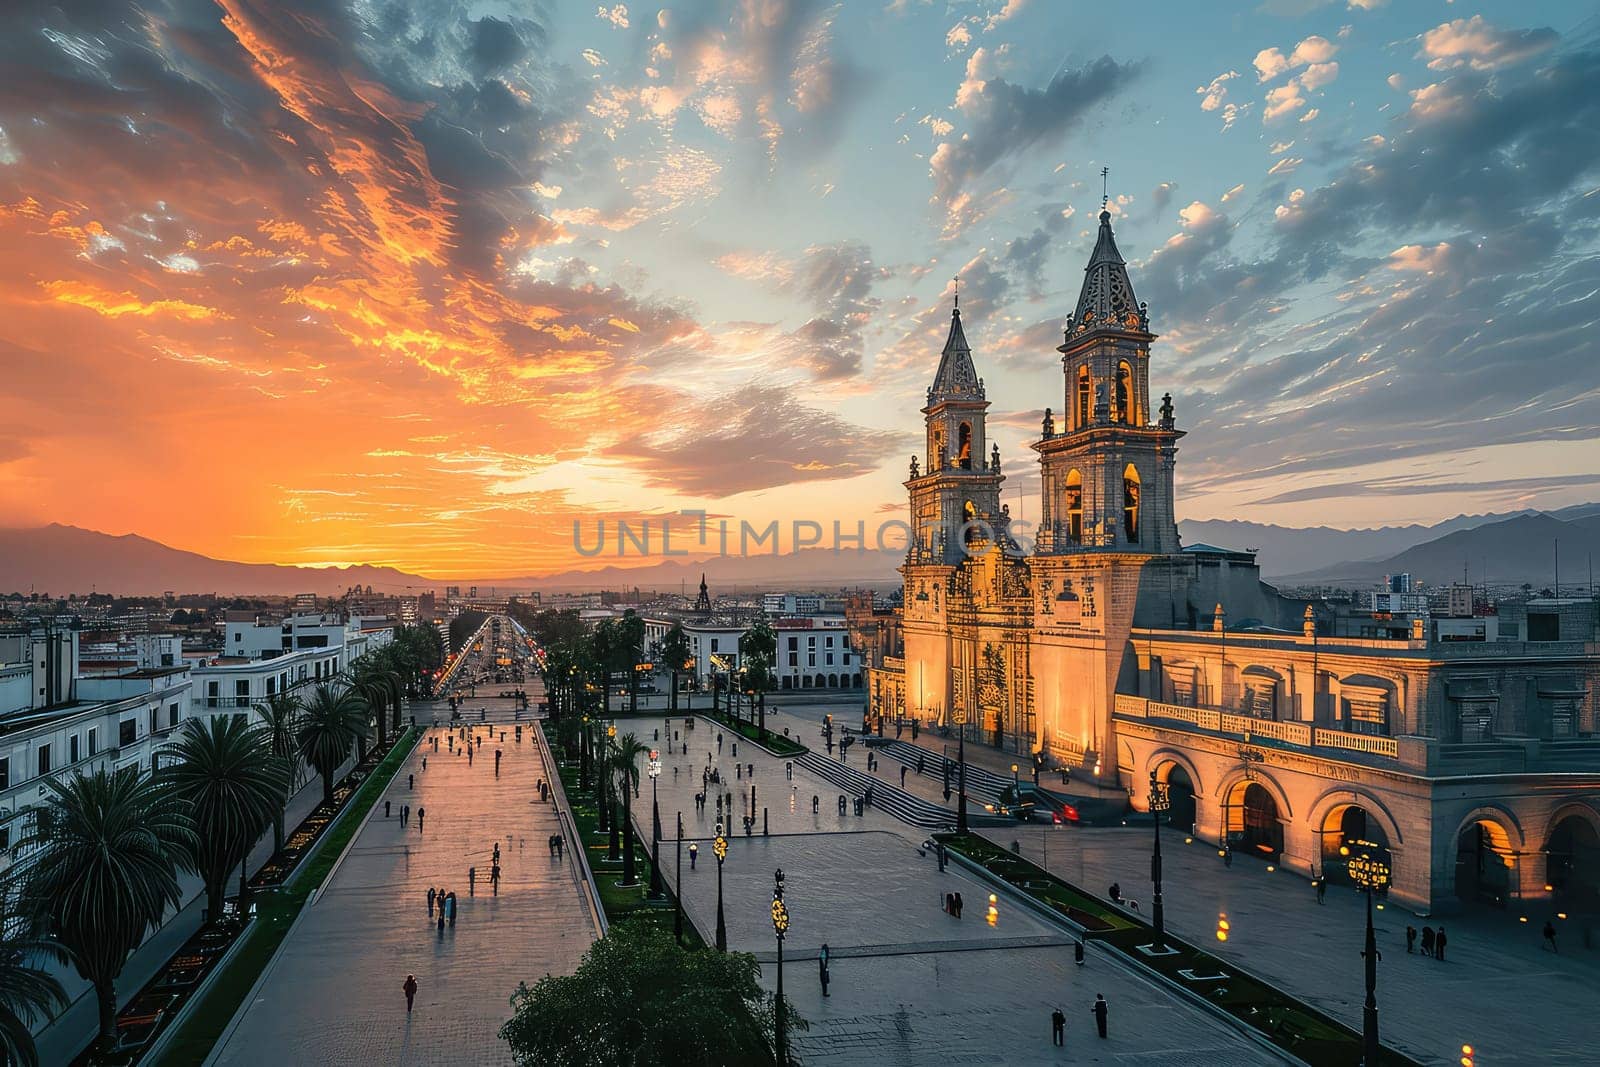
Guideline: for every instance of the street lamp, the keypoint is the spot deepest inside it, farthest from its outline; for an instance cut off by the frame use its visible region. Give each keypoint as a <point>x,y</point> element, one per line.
<point>1370,874</point>
<point>780,926</point>
<point>1016,786</point>
<point>961,772</point>
<point>1160,804</point>
<point>655,826</point>
<point>677,897</point>
<point>720,848</point>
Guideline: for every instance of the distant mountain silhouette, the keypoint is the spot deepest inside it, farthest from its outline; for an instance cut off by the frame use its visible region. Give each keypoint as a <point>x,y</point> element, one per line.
<point>1510,552</point>
<point>1289,550</point>
<point>61,559</point>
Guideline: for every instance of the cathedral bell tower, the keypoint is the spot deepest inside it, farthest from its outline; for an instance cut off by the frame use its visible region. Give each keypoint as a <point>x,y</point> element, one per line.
<point>1107,476</point>
<point>955,491</point>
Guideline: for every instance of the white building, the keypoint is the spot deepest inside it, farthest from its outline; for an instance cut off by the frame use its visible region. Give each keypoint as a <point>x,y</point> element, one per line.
<point>55,721</point>
<point>813,651</point>
<point>263,660</point>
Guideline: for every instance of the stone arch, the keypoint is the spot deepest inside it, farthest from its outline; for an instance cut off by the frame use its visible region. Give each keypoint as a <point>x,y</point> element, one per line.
<point>1485,852</point>
<point>964,446</point>
<point>1179,773</point>
<point>1264,690</point>
<point>833,681</point>
<point>1083,408</point>
<point>1344,795</point>
<point>1132,503</point>
<point>1125,404</point>
<point>1254,822</point>
<point>1072,505</point>
<point>1343,815</point>
<point>1572,857</point>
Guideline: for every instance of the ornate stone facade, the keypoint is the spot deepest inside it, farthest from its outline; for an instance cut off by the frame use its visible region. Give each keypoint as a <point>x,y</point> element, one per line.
<point>1114,650</point>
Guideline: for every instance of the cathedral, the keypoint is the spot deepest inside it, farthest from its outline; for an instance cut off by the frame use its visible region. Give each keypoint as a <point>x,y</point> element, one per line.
<point>1108,647</point>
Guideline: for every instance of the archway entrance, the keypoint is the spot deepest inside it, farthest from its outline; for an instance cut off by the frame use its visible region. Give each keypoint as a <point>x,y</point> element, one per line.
<point>1573,865</point>
<point>1485,864</point>
<point>1348,832</point>
<point>1180,791</point>
<point>1252,821</point>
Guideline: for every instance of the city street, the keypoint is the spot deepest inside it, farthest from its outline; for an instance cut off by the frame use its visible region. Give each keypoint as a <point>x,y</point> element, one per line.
<point>333,994</point>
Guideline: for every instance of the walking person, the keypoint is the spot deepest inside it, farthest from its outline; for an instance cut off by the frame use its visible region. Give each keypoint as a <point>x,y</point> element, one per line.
<point>694,854</point>
<point>411,781</point>
<point>1322,889</point>
<point>472,881</point>
<point>385,809</point>
<point>410,989</point>
<point>451,901</point>
<point>1438,944</point>
<point>494,878</point>
<point>430,901</point>
<point>1058,1028</point>
<point>1427,940</point>
<point>421,814</point>
<point>959,905</point>
<point>822,967</point>
<point>1411,939</point>
<point>1100,1008</point>
<point>1550,935</point>
<point>1077,953</point>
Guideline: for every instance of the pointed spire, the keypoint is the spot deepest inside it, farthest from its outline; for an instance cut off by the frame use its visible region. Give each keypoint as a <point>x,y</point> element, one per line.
<point>957,378</point>
<point>1107,301</point>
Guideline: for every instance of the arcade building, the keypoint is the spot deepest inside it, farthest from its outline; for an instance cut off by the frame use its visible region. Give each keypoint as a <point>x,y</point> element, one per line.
<point>1108,647</point>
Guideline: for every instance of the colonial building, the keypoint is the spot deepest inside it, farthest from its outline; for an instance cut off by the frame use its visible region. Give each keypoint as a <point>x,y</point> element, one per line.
<point>1472,766</point>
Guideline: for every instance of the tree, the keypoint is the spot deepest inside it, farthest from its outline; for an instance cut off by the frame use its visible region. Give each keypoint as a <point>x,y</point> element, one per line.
<point>639,999</point>
<point>630,639</point>
<point>377,676</point>
<point>675,650</point>
<point>109,846</point>
<point>758,649</point>
<point>625,763</point>
<point>28,992</point>
<point>332,722</point>
<point>224,772</point>
<point>280,717</point>
<point>602,648</point>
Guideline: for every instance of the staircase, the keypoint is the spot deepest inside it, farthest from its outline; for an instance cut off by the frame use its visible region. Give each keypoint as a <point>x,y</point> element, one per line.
<point>982,784</point>
<point>886,797</point>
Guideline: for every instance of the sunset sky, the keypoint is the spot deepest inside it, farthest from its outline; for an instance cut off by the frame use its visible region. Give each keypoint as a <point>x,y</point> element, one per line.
<point>420,282</point>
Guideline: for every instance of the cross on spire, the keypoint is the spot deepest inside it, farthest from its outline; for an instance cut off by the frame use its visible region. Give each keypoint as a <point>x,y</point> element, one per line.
<point>1105,197</point>
<point>958,290</point>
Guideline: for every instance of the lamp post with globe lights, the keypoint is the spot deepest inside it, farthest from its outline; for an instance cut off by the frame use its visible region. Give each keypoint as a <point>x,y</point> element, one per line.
<point>655,826</point>
<point>1160,804</point>
<point>780,927</point>
<point>720,848</point>
<point>1372,875</point>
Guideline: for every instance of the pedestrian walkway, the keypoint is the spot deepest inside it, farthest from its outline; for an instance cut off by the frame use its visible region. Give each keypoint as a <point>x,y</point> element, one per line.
<point>333,994</point>
<point>912,984</point>
<point>1497,989</point>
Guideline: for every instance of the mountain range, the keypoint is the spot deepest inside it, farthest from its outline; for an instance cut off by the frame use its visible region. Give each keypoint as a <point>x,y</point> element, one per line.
<point>1508,549</point>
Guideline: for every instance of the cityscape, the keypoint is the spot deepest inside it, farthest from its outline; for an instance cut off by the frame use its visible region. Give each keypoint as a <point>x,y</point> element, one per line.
<point>1133,475</point>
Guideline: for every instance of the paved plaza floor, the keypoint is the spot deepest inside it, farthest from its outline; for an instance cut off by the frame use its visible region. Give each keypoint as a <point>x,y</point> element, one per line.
<point>333,993</point>
<point>1496,990</point>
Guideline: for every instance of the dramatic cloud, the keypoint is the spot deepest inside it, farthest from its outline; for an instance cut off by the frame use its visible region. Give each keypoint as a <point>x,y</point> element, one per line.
<point>1482,46</point>
<point>1002,120</point>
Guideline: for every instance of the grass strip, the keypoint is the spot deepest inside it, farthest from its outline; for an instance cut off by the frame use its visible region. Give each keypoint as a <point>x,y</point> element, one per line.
<point>276,912</point>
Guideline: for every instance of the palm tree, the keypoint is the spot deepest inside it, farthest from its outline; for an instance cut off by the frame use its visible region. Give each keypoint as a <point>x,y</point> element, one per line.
<point>109,846</point>
<point>625,762</point>
<point>224,771</point>
<point>280,717</point>
<point>333,722</point>
<point>28,992</point>
<point>379,686</point>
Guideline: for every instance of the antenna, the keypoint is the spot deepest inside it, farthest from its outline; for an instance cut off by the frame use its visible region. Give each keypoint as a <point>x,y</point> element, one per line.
<point>1105,197</point>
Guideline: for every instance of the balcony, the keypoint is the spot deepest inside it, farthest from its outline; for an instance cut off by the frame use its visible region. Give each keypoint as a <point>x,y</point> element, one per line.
<point>1299,735</point>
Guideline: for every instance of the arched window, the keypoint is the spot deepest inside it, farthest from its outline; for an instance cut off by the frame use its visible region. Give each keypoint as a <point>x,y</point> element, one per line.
<point>937,460</point>
<point>1130,505</point>
<point>1124,413</point>
<point>1074,507</point>
<point>1085,397</point>
<point>964,446</point>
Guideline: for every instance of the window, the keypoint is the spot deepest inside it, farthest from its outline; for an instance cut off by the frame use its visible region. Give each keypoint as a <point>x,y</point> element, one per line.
<point>127,731</point>
<point>830,641</point>
<point>172,716</point>
<point>241,693</point>
<point>5,772</point>
<point>94,741</point>
<point>155,720</point>
<point>72,749</point>
<point>713,644</point>
<point>1130,504</point>
<point>211,694</point>
<point>794,659</point>
<point>830,659</point>
<point>811,659</point>
<point>1085,394</point>
<point>272,685</point>
<point>1544,626</point>
<point>1074,507</point>
<point>44,759</point>
<point>5,838</point>
<point>794,643</point>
